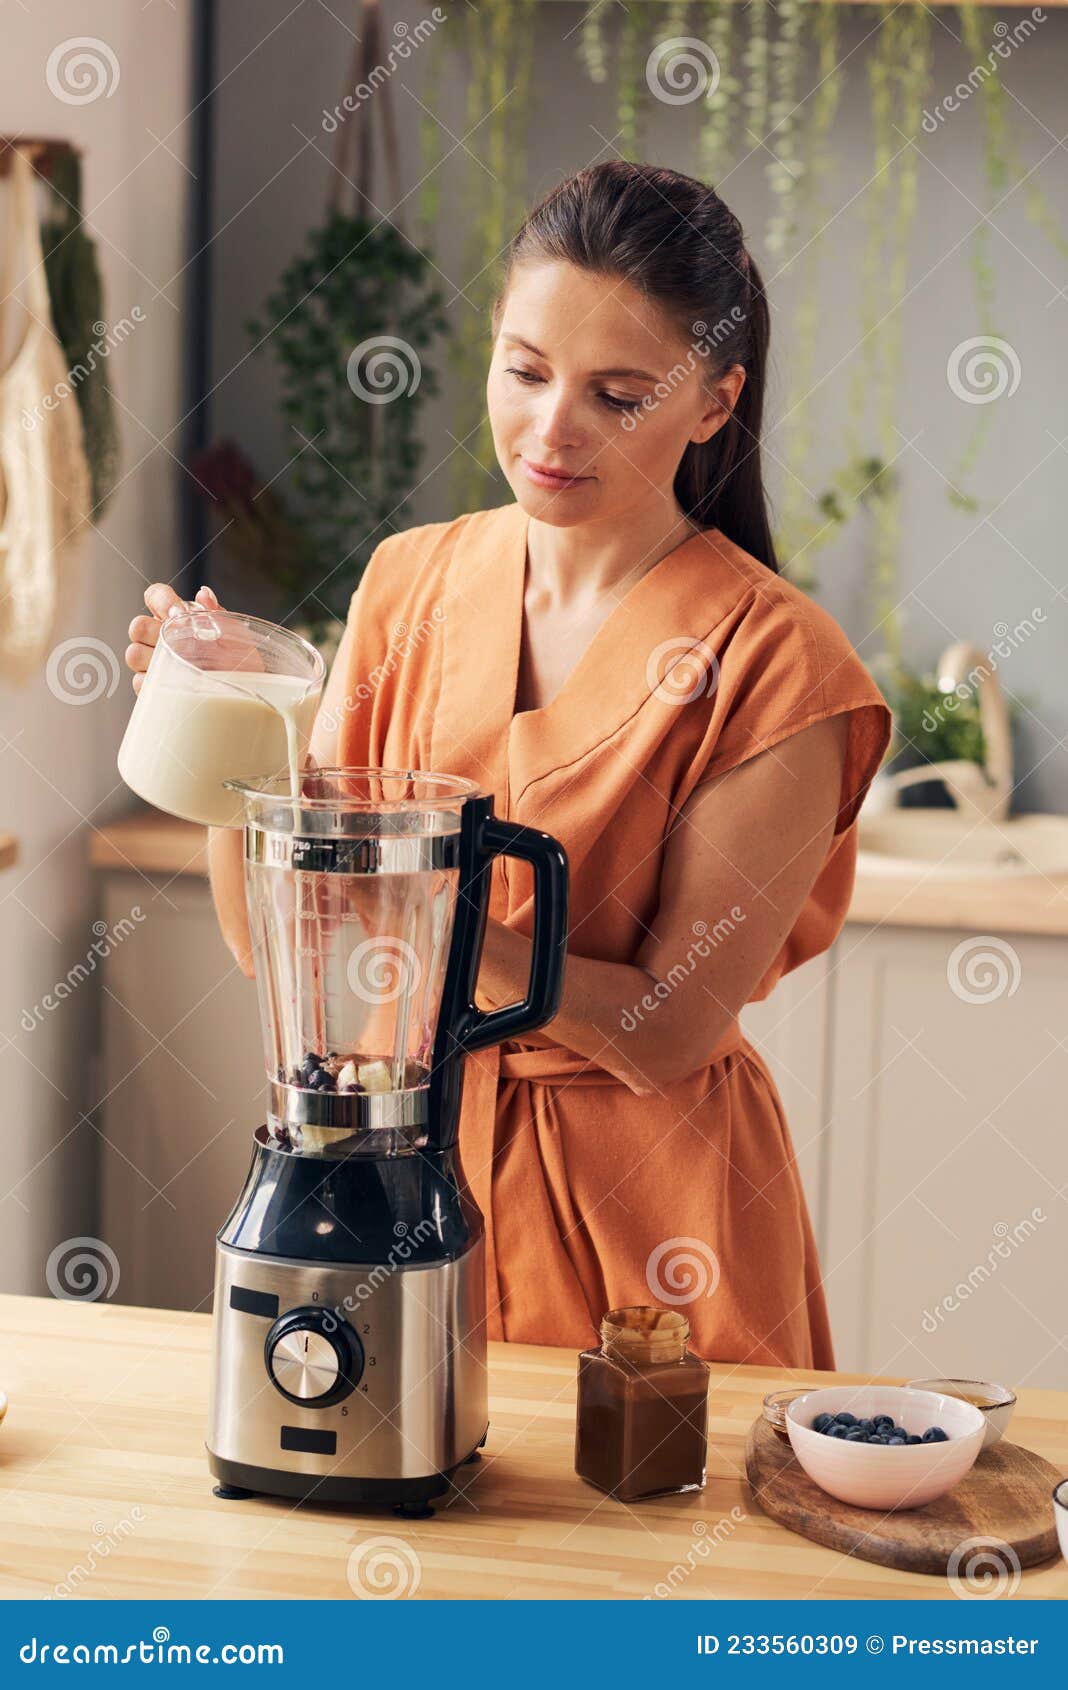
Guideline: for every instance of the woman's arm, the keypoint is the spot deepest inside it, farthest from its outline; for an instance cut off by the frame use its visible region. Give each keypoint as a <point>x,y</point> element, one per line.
<point>738,865</point>
<point>226,865</point>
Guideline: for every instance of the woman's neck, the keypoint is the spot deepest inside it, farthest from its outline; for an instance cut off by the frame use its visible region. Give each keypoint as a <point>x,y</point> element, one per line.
<point>590,561</point>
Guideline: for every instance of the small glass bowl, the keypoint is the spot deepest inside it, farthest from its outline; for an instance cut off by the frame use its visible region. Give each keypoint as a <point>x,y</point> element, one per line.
<point>995,1402</point>
<point>775,1405</point>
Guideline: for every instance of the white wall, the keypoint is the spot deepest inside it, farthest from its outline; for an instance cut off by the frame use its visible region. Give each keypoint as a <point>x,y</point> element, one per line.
<point>57,759</point>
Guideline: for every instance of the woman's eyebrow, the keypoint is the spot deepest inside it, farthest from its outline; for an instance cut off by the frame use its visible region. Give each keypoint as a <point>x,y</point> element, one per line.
<point>642,375</point>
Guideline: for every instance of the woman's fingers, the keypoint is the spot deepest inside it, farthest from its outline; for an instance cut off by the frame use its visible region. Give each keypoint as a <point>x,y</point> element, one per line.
<point>162,601</point>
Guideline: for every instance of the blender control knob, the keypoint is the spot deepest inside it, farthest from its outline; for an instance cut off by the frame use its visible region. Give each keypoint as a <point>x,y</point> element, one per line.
<point>313,1357</point>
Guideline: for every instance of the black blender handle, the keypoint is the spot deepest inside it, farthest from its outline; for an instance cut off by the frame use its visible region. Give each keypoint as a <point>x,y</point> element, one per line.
<point>548,859</point>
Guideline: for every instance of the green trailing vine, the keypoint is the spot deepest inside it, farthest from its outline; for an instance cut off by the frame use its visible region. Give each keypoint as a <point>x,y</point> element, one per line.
<point>806,523</point>
<point>593,55</point>
<point>714,145</point>
<point>785,168</point>
<point>631,72</point>
<point>497,41</point>
<point>755,63</point>
<point>995,134</point>
<point>431,149</point>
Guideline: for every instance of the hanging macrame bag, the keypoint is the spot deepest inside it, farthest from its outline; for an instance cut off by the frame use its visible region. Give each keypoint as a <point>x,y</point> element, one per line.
<point>45,498</point>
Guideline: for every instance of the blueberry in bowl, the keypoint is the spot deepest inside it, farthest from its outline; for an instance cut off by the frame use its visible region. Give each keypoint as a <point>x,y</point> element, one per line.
<point>884,1446</point>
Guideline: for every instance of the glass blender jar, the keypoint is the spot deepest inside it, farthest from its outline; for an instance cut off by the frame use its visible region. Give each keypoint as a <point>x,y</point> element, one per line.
<point>351,897</point>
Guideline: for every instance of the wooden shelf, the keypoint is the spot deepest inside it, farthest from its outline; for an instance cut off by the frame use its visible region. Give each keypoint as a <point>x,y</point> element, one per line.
<point>148,842</point>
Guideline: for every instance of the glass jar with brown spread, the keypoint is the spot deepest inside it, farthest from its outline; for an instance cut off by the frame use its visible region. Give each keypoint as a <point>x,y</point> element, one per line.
<point>642,1405</point>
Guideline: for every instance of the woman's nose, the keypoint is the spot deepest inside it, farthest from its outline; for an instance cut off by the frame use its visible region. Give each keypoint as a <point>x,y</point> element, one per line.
<point>558,425</point>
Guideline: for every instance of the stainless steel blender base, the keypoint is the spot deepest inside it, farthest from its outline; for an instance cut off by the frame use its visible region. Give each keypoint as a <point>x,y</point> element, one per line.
<point>360,1384</point>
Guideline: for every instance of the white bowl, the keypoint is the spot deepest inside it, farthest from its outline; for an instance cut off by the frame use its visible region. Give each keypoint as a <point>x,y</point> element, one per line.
<point>1060,1514</point>
<point>996,1411</point>
<point>880,1475</point>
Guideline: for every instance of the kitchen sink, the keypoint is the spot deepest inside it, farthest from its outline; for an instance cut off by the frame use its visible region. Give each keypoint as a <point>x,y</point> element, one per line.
<point>951,846</point>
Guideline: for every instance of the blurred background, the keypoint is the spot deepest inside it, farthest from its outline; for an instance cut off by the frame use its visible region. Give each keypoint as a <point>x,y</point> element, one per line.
<point>247,225</point>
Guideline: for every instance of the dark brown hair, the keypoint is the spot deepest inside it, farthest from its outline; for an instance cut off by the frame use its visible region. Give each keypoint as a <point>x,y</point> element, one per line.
<point>674,238</point>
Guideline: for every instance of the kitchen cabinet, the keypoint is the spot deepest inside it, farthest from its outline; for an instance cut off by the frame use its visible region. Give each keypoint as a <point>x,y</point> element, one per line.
<point>944,1245</point>
<point>182,1085</point>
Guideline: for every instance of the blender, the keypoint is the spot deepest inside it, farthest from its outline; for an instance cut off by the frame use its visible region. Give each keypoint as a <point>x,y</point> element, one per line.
<point>349,1358</point>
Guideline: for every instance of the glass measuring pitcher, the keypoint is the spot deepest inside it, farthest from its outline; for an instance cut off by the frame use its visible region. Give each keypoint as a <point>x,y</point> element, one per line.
<point>367,895</point>
<point>226,697</point>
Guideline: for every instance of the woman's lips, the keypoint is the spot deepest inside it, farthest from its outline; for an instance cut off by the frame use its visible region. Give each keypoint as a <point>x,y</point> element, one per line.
<point>545,478</point>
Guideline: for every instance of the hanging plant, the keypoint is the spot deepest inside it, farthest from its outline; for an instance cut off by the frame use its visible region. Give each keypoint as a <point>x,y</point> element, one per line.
<point>714,145</point>
<point>992,109</point>
<point>593,55</point>
<point>755,61</point>
<point>806,525</point>
<point>630,73</point>
<point>497,41</point>
<point>785,168</point>
<point>349,323</point>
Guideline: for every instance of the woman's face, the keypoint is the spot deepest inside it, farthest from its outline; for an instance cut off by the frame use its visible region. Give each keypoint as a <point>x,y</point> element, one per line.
<point>588,380</point>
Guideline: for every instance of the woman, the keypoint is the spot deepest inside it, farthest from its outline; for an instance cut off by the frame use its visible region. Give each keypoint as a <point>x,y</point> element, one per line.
<point>615,658</point>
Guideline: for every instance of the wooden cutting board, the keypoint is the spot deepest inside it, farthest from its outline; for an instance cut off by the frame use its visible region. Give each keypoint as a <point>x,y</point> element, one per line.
<point>1006,1497</point>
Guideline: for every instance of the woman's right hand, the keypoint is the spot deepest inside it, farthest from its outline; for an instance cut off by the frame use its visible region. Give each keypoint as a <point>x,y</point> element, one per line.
<point>162,601</point>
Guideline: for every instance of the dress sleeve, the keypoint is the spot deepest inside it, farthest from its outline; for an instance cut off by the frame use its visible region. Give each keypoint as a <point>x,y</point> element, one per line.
<point>782,669</point>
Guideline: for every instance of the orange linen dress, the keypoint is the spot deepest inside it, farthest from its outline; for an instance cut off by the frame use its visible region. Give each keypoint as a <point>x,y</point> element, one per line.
<point>595,1197</point>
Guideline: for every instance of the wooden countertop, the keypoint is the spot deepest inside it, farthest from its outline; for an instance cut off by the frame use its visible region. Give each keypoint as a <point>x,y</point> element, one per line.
<point>157,844</point>
<point>102,1466</point>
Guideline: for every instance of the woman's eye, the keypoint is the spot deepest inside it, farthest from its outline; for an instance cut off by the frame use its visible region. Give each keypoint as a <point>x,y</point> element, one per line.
<point>611,399</point>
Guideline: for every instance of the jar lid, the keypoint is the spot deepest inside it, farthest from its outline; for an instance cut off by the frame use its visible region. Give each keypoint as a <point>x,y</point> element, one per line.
<point>645,1330</point>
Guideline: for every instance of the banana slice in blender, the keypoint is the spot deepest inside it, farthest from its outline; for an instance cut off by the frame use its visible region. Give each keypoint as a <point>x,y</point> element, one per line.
<point>374,1076</point>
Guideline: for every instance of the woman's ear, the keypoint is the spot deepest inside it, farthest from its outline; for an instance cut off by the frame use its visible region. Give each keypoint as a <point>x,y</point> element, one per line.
<point>721,399</point>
